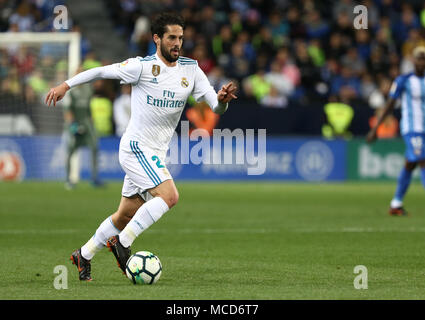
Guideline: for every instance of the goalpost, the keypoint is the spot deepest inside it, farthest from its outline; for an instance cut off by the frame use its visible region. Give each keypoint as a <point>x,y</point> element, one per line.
<point>69,39</point>
<point>30,64</point>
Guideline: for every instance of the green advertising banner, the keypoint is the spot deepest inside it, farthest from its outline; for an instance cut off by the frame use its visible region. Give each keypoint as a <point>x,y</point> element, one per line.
<point>381,160</point>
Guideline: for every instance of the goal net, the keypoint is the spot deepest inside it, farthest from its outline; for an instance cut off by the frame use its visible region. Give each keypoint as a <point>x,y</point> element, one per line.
<point>30,64</point>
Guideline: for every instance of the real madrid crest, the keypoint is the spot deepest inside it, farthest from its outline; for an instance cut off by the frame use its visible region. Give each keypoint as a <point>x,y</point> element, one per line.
<point>184,83</point>
<point>156,69</point>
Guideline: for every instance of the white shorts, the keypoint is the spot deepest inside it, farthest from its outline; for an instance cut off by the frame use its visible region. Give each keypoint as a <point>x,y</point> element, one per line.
<point>144,168</point>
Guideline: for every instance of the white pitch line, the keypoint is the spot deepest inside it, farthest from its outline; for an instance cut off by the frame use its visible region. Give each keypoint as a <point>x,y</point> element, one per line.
<point>178,231</point>
<point>224,231</point>
<point>358,230</point>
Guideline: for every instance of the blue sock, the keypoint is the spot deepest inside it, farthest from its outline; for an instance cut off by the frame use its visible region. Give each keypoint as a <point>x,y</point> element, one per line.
<point>403,184</point>
<point>423,176</point>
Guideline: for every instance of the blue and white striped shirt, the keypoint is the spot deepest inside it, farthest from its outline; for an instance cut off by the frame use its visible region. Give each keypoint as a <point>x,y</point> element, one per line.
<point>411,89</point>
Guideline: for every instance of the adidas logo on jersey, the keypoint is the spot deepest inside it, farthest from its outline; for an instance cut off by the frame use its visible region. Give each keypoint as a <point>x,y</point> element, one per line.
<point>154,80</point>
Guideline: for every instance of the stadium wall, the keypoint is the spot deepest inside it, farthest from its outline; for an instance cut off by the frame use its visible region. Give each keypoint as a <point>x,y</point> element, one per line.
<point>287,159</point>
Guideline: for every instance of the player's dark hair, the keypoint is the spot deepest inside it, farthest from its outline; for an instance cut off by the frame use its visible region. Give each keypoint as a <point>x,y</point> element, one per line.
<point>161,21</point>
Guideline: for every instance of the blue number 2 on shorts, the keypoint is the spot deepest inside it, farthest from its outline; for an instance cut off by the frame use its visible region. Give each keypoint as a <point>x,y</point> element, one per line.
<point>158,162</point>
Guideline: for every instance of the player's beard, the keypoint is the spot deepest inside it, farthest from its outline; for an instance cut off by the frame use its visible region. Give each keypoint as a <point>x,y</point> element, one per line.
<point>167,54</point>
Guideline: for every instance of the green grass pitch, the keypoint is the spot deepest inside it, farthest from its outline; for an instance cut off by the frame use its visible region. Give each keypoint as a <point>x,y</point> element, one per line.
<point>221,241</point>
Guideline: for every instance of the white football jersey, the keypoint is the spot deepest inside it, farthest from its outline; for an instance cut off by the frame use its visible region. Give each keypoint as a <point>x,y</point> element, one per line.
<point>159,95</point>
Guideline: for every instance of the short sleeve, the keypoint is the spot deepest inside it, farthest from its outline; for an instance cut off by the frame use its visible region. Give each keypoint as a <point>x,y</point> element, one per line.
<point>129,70</point>
<point>202,85</point>
<point>397,87</point>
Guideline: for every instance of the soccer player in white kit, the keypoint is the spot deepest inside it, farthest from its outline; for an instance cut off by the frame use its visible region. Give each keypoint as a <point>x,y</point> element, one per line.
<point>161,84</point>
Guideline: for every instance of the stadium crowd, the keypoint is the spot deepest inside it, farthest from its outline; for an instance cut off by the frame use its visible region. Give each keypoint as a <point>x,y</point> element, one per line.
<point>278,51</point>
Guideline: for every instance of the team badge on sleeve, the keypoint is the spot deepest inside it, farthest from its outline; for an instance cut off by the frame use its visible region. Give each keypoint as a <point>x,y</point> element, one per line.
<point>156,69</point>
<point>124,63</point>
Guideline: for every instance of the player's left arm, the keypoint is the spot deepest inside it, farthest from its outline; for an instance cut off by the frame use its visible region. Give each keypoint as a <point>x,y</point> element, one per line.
<point>203,90</point>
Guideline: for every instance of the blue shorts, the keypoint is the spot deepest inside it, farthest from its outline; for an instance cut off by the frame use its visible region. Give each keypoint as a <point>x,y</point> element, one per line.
<point>415,146</point>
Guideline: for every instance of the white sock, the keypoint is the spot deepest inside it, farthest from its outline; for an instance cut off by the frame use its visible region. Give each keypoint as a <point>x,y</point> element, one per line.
<point>149,213</point>
<point>395,203</point>
<point>98,241</point>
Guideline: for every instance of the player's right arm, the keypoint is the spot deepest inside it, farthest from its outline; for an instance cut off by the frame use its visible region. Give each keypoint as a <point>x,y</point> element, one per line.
<point>128,72</point>
<point>395,93</point>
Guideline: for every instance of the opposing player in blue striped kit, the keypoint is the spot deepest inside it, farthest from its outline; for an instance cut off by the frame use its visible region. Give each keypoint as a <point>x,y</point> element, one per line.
<point>410,88</point>
<point>161,84</point>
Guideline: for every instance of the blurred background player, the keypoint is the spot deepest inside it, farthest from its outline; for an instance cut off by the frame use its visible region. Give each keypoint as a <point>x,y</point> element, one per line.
<point>80,131</point>
<point>122,110</point>
<point>411,89</point>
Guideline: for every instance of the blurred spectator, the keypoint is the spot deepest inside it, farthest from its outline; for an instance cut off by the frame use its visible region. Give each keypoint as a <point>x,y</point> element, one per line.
<point>346,82</point>
<point>297,28</point>
<point>36,86</point>
<point>122,110</point>
<point>238,66</point>
<point>201,116</point>
<point>24,61</point>
<point>273,99</point>
<point>209,26</point>
<point>141,34</point>
<point>343,25</point>
<point>310,74</point>
<point>217,78</point>
<point>338,116</point>
<point>91,61</point>
<point>363,44</point>
<point>6,9</point>
<point>336,46</point>
<point>316,26</point>
<point>368,86</point>
<point>278,80</point>
<point>189,42</point>
<point>256,86</point>
<point>101,110</point>
<point>388,129</point>
<point>248,50</point>
<point>23,17</point>
<point>414,40</point>
<point>353,61</point>
<point>200,54</point>
<point>222,42</point>
<point>263,42</point>
<point>377,64</point>
<point>408,20</point>
<point>278,27</point>
<point>236,23</point>
<point>289,69</point>
<point>316,52</point>
<point>377,97</point>
<point>422,16</point>
<point>252,21</point>
<point>383,41</point>
<point>343,7</point>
